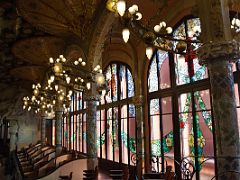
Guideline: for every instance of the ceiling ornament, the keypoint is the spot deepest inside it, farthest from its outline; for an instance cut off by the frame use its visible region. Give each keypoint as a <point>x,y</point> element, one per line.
<point>38,50</point>
<point>60,17</point>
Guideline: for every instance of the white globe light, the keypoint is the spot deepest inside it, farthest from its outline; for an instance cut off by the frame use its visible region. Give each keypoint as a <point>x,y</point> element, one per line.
<point>139,16</point>
<point>157,28</point>
<point>100,79</point>
<point>169,30</point>
<point>149,52</point>
<point>121,7</point>
<point>125,34</point>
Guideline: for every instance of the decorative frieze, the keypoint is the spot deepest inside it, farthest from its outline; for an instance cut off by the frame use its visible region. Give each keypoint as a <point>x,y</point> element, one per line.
<point>219,51</point>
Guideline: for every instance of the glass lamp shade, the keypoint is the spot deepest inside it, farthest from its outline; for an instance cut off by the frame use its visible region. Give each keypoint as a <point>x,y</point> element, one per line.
<point>88,85</point>
<point>100,79</point>
<point>121,7</point>
<point>57,68</point>
<point>125,34</point>
<point>149,52</point>
<point>36,92</point>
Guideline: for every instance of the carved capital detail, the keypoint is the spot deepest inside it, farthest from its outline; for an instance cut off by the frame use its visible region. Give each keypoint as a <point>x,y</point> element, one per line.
<point>219,51</point>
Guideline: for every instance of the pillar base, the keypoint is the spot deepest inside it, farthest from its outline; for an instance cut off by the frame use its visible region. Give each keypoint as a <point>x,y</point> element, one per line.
<point>92,163</point>
<point>58,150</point>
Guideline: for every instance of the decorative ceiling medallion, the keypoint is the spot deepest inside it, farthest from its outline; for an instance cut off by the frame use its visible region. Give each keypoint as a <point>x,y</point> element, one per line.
<point>38,50</point>
<point>31,73</point>
<point>60,17</point>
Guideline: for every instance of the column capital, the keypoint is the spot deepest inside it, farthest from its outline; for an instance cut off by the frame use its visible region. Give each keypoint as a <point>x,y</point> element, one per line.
<point>138,100</point>
<point>219,51</point>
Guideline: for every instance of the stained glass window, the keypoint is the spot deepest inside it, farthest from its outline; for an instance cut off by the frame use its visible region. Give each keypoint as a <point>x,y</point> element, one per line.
<point>187,66</point>
<point>193,121</point>
<point>153,78</point>
<point>118,124</point>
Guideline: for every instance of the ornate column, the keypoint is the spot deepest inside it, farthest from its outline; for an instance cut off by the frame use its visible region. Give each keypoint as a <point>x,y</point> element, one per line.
<point>91,96</point>
<point>43,130</point>
<point>138,101</point>
<point>217,53</point>
<point>58,126</point>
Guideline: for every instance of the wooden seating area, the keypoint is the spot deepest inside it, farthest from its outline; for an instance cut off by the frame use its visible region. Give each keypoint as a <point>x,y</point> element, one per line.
<point>31,159</point>
<point>116,174</point>
<point>90,174</point>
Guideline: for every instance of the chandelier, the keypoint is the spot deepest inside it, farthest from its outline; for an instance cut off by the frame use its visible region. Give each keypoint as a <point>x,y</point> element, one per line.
<point>62,79</point>
<point>160,36</point>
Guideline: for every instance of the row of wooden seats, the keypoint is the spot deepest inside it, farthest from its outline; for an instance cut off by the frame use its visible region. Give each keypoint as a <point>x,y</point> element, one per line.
<point>90,174</point>
<point>32,159</point>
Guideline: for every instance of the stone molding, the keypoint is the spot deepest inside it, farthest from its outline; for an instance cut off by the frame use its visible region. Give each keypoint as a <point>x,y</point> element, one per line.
<point>219,51</point>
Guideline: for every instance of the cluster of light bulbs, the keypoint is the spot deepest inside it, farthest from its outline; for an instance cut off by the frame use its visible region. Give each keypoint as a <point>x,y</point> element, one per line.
<point>235,24</point>
<point>133,13</point>
<point>80,62</point>
<point>59,87</point>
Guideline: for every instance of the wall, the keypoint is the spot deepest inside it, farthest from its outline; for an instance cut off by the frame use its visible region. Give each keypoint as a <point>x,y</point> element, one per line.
<point>24,126</point>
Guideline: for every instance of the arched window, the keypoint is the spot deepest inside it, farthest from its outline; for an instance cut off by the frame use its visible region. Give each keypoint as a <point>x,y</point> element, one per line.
<point>74,126</point>
<point>179,105</point>
<point>116,125</point>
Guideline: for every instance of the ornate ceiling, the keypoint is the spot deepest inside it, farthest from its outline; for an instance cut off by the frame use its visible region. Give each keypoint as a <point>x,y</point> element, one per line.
<point>38,50</point>
<point>60,17</point>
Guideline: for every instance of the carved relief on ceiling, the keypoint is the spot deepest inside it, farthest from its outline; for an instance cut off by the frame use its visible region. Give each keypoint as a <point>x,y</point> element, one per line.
<point>38,50</point>
<point>34,73</point>
<point>60,17</point>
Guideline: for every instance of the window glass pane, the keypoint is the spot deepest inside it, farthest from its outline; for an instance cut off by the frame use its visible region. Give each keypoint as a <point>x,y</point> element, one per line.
<point>130,84</point>
<point>98,133</point>
<point>193,26</point>
<point>53,132</point>
<point>115,134</point>
<point>84,134</point>
<point>123,82</point>
<point>80,133</point>
<point>152,77</point>
<point>72,132</point>
<point>103,120</point>
<point>109,82</point>
<point>168,141</point>
<point>109,135</point>
<point>124,111</point>
<point>164,70</point>
<point>124,140</point>
<point>166,104</point>
<point>155,135</point>
<point>131,110</point>
<point>132,140</point>
<point>114,83</point>
<point>154,106</point>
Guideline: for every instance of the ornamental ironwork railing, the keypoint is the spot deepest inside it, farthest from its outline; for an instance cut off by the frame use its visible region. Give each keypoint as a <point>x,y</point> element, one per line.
<point>187,167</point>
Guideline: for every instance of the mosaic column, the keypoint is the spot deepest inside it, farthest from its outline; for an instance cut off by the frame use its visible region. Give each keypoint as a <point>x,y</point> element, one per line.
<point>43,130</point>
<point>58,136</point>
<point>138,101</point>
<point>217,53</point>
<point>91,134</point>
